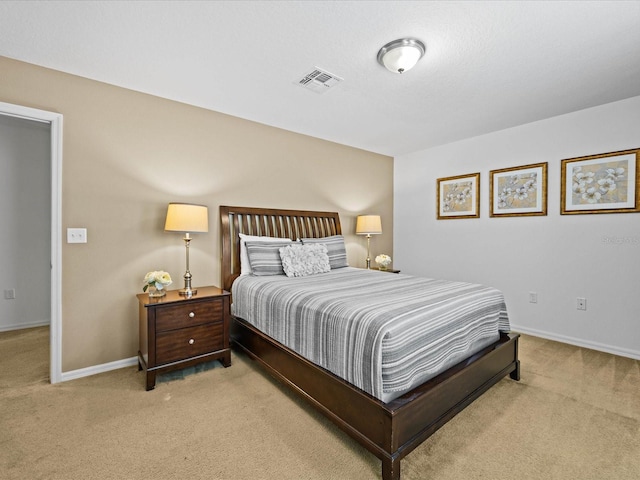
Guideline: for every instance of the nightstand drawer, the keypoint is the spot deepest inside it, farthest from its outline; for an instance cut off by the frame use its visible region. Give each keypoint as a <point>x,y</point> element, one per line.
<point>172,317</point>
<point>189,342</point>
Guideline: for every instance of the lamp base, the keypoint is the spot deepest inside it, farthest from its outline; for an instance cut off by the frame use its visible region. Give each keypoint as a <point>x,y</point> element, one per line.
<point>188,292</point>
<point>368,251</point>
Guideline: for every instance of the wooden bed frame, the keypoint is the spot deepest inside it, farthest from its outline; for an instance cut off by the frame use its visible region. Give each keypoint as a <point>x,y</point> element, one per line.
<point>388,430</point>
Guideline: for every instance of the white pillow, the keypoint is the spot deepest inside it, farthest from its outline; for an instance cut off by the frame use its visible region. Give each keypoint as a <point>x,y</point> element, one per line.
<point>245,266</point>
<point>302,260</point>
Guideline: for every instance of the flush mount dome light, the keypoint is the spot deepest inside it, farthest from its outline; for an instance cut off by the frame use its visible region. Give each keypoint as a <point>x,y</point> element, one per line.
<point>401,55</point>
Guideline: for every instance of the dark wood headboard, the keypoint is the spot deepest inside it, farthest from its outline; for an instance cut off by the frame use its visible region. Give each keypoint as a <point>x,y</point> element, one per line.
<point>268,222</point>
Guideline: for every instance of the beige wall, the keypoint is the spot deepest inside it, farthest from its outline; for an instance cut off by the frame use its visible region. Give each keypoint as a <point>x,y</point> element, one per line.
<point>126,155</point>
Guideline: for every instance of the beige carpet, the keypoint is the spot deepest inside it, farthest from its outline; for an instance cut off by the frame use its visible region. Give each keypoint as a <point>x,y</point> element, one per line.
<point>574,415</point>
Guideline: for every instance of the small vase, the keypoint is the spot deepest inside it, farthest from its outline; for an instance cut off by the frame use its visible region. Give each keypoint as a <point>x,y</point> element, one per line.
<point>382,267</point>
<point>156,292</point>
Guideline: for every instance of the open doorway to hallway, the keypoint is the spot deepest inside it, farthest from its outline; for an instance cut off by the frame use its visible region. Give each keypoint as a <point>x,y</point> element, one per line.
<point>25,237</point>
<point>25,214</point>
<point>30,238</point>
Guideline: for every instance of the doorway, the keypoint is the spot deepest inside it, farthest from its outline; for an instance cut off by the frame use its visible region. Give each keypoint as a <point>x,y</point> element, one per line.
<point>52,121</point>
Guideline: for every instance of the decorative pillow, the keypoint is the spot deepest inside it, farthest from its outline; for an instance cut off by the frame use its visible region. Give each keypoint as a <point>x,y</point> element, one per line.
<point>245,266</point>
<point>302,260</point>
<point>264,257</point>
<point>335,248</point>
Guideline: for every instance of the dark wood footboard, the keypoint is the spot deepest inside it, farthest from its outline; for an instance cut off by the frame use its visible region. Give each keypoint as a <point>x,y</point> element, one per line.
<point>388,430</point>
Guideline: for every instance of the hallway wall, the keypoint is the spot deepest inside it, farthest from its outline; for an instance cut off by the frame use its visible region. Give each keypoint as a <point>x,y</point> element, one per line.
<point>25,219</point>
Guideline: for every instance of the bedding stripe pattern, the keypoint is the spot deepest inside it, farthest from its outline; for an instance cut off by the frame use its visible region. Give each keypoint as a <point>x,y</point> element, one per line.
<point>264,257</point>
<point>335,248</point>
<point>384,333</point>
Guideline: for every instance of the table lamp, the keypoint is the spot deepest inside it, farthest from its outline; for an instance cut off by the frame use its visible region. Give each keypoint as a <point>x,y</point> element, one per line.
<point>368,225</point>
<point>187,218</point>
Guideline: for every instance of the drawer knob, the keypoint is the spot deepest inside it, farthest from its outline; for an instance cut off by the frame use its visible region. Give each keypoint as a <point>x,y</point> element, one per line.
<point>191,314</point>
<point>191,341</point>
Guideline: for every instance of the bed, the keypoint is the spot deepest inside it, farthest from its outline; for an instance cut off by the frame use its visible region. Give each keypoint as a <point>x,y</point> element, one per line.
<point>389,428</point>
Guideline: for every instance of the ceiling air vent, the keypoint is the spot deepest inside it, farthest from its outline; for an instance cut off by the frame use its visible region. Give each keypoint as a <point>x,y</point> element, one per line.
<point>319,80</point>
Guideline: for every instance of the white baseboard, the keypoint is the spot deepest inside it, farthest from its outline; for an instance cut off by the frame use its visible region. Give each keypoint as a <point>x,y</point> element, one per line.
<point>105,367</point>
<point>578,342</point>
<point>20,326</point>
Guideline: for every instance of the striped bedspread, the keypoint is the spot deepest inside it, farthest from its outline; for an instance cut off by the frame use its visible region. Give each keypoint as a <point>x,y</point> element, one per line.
<point>384,333</point>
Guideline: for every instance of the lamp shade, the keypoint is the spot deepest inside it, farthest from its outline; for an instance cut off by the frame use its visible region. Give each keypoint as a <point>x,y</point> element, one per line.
<point>188,218</point>
<point>368,225</point>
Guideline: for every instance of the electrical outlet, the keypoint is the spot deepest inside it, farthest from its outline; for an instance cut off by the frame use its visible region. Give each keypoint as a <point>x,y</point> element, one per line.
<point>533,297</point>
<point>10,294</point>
<point>76,235</point>
<point>581,303</point>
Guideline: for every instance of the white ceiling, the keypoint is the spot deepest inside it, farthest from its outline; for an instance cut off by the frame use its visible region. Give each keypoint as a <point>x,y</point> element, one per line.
<point>488,66</point>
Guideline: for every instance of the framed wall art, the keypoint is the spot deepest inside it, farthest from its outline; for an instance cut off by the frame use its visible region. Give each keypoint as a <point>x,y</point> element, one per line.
<point>518,191</point>
<point>458,197</point>
<point>604,183</point>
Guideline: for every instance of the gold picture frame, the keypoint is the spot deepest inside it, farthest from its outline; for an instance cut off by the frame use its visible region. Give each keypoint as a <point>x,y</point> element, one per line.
<point>518,191</point>
<point>458,197</point>
<point>603,183</point>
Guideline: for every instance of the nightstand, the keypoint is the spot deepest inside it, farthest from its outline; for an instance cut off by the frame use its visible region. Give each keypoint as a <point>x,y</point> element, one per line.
<point>390,270</point>
<point>177,332</point>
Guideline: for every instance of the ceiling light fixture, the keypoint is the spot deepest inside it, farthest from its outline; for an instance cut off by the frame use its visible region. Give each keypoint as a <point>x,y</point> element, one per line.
<point>401,55</point>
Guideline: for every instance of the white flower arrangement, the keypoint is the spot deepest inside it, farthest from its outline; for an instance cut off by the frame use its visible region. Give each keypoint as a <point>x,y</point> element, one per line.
<point>383,260</point>
<point>158,279</point>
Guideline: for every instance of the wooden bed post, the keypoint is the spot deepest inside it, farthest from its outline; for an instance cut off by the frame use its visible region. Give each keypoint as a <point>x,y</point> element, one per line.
<point>515,375</point>
<point>391,468</point>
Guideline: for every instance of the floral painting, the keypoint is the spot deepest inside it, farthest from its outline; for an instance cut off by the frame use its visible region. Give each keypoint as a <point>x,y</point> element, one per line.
<point>600,183</point>
<point>606,183</point>
<point>518,191</point>
<point>458,197</point>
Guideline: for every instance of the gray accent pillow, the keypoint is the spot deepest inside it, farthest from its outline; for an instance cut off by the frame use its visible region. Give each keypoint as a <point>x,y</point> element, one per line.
<point>302,260</point>
<point>264,257</point>
<point>245,266</point>
<point>335,248</point>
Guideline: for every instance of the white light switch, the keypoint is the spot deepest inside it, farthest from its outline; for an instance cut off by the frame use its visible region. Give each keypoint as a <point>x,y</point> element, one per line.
<point>76,235</point>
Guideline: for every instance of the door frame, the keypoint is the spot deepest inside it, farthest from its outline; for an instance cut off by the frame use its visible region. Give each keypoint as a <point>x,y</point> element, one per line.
<point>55,122</point>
